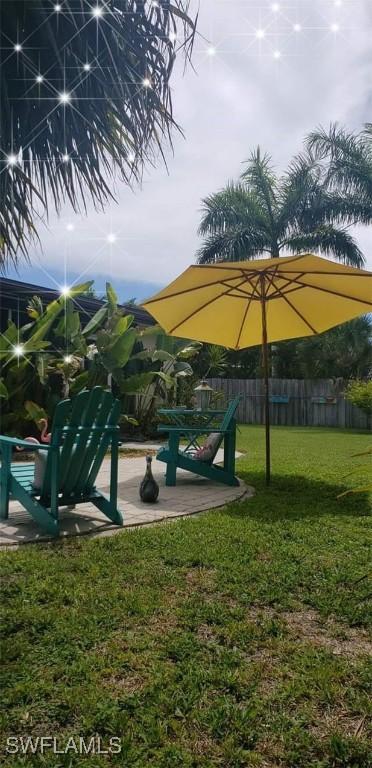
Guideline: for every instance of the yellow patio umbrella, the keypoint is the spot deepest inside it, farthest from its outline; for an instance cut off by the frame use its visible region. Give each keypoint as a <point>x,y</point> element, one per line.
<point>242,304</point>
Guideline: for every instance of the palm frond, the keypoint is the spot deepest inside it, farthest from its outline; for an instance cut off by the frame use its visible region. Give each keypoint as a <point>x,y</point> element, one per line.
<point>261,181</point>
<point>113,116</point>
<point>327,240</point>
<point>298,189</point>
<point>324,143</point>
<point>309,201</point>
<point>349,157</point>
<point>346,209</point>
<point>235,244</point>
<point>232,206</point>
<point>367,134</point>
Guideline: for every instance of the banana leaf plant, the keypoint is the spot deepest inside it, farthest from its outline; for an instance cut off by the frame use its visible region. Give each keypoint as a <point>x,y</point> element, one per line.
<point>172,357</point>
<point>112,338</point>
<point>55,356</point>
<point>27,359</point>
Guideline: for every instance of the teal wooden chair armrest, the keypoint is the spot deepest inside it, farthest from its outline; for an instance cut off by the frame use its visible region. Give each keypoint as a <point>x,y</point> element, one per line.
<point>220,423</point>
<point>83,429</point>
<point>17,443</point>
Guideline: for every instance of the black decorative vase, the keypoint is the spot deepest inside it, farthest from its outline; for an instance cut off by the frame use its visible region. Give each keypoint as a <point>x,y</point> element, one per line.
<point>149,489</point>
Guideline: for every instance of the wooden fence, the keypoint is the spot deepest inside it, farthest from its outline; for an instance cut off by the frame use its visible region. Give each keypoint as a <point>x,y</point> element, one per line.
<point>293,402</point>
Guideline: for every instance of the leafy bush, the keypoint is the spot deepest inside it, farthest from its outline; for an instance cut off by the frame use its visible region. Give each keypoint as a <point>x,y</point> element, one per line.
<point>33,369</point>
<point>359,393</point>
<point>51,357</point>
<point>171,358</point>
<point>54,356</point>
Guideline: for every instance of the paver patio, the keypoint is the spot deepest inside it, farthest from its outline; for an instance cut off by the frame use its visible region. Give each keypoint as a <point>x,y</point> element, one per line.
<point>191,494</point>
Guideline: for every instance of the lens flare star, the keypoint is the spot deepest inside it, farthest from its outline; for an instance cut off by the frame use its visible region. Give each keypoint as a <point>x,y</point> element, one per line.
<point>18,350</point>
<point>64,97</point>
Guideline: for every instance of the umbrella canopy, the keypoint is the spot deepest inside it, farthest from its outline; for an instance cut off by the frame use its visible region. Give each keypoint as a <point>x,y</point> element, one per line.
<point>221,303</point>
<point>242,304</point>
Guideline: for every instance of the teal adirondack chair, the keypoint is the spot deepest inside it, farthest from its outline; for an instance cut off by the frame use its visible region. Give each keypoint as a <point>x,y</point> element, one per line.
<point>184,458</point>
<point>83,429</point>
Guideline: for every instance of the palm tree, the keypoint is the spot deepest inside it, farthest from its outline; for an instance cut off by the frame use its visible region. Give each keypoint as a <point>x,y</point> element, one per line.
<point>348,160</point>
<point>266,214</point>
<point>84,91</point>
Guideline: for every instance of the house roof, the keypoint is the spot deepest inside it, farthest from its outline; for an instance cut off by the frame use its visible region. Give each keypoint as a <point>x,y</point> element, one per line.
<point>15,295</point>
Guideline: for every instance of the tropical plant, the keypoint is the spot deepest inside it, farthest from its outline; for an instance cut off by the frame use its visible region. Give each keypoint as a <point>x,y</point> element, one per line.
<point>359,393</point>
<point>264,214</point>
<point>216,360</point>
<point>29,361</point>
<point>119,358</point>
<point>85,91</point>
<point>211,360</point>
<point>114,339</point>
<point>172,357</point>
<point>55,356</point>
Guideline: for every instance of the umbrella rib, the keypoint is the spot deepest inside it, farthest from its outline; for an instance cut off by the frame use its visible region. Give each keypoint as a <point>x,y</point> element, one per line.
<point>207,303</point>
<point>243,294</point>
<point>289,281</point>
<point>254,288</point>
<point>329,290</point>
<point>244,319</point>
<point>270,281</point>
<point>225,283</point>
<point>255,295</point>
<point>296,310</point>
<point>276,293</point>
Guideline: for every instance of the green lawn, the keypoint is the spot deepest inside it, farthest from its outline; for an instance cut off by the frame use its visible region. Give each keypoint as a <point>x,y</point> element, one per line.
<point>233,638</point>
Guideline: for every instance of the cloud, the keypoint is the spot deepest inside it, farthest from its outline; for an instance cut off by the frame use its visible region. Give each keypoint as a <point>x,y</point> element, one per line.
<point>240,97</point>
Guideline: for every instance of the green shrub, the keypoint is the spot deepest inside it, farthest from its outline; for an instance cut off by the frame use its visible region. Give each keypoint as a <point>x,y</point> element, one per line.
<point>359,393</point>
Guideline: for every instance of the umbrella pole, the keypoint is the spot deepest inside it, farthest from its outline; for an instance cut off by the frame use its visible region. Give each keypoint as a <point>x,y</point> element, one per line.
<point>265,360</point>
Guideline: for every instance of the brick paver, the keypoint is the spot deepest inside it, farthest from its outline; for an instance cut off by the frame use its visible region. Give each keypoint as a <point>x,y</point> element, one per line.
<point>191,494</point>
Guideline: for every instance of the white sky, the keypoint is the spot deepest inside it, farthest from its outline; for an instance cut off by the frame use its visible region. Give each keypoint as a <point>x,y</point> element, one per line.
<point>240,97</point>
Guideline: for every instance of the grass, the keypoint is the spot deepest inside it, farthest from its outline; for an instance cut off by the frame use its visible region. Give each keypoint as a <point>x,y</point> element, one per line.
<point>234,638</point>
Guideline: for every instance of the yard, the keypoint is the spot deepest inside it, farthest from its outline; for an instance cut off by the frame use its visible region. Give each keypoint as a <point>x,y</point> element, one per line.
<point>233,638</point>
